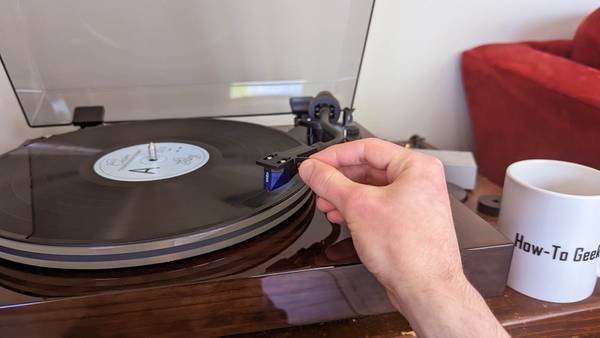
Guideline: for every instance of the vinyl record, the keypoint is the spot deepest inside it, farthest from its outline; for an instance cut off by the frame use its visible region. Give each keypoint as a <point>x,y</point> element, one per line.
<point>236,261</point>
<point>140,193</point>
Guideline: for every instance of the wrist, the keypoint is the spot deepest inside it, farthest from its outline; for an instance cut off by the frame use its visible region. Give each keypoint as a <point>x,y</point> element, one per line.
<point>445,309</point>
<point>423,295</point>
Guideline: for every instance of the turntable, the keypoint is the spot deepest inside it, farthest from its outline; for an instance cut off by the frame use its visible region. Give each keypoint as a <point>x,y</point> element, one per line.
<point>161,212</point>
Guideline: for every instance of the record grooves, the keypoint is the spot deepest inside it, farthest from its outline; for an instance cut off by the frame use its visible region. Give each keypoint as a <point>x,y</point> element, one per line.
<point>232,261</point>
<point>61,213</point>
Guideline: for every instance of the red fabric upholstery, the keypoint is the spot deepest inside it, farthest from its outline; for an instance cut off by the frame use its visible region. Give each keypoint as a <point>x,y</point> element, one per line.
<point>528,100</point>
<point>562,48</point>
<point>586,44</point>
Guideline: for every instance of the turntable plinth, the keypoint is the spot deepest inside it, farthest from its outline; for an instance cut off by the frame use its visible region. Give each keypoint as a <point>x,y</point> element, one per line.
<point>303,271</point>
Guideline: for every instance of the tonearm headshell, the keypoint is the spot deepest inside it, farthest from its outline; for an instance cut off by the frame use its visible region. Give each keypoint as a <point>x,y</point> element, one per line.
<point>320,116</point>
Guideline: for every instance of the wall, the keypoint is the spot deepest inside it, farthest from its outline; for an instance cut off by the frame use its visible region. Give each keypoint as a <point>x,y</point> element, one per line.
<point>410,81</point>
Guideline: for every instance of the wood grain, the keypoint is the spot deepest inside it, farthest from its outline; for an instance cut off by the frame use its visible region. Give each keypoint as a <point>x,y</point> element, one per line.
<point>311,274</point>
<point>522,316</point>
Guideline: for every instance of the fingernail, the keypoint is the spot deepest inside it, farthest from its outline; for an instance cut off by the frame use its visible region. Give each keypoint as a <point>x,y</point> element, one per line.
<point>306,169</point>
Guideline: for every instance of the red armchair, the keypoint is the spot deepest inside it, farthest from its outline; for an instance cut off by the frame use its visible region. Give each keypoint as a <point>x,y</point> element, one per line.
<point>535,100</point>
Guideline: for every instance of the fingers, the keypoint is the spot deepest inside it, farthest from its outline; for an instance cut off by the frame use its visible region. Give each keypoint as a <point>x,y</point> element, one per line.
<point>375,153</point>
<point>335,217</point>
<point>327,182</point>
<point>324,205</point>
<point>365,174</point>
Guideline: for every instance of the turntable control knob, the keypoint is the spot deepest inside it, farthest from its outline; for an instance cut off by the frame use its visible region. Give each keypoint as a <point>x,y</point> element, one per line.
<point>152,152</point>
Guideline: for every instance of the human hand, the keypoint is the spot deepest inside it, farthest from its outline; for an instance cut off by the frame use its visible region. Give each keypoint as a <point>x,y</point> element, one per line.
<point>395,203</point>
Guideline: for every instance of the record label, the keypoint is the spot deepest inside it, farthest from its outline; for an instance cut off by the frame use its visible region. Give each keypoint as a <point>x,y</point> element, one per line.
<point>151,162</point>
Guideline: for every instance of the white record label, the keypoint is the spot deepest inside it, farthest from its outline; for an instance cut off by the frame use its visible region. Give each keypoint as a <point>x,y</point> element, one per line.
<point>151,162</point>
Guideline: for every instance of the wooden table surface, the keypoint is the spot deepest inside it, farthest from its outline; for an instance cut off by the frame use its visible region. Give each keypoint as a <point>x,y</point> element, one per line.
<point>520,315</point>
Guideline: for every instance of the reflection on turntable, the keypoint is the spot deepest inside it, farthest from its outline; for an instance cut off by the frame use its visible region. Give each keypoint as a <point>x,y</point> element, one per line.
<point>229,262</point>
<point>305,241</point>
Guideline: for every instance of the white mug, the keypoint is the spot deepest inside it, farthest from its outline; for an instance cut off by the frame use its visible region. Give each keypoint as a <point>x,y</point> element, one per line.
<point>551,212</point>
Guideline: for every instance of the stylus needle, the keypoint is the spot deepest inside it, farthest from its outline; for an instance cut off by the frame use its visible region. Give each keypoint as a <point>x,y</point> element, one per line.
<point>152,152</point>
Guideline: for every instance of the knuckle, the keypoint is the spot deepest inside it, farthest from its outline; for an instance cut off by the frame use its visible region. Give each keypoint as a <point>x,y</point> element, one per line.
<point>429,163</point>
<point>436,165</point>
<point>430,168</point>
<point>372,141</point>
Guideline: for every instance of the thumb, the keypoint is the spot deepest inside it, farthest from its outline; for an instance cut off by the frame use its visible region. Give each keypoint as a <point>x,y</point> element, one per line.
<point>327,182</point>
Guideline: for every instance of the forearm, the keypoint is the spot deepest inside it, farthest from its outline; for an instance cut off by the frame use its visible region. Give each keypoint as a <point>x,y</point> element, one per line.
<point>449,310</point>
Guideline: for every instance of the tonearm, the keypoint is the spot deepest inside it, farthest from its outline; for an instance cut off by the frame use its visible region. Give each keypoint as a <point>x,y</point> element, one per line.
<point>320,115</point>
